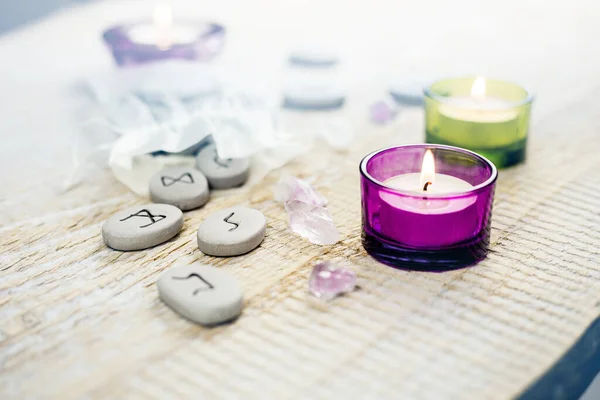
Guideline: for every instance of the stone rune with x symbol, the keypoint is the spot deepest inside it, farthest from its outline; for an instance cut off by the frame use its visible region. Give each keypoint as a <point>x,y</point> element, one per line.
<point>146,214</point>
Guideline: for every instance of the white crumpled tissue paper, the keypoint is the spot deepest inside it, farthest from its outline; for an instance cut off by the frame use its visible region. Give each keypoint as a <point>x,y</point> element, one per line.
<point>156,115</point>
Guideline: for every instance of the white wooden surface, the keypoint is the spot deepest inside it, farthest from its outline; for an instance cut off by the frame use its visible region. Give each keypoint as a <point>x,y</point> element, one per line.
<point>77,320</point>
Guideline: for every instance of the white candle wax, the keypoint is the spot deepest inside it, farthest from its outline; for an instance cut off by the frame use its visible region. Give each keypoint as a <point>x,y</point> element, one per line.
<point>478,109</point>
<point>477,121</point>
<point>442,184</point>
<point>175,34</point>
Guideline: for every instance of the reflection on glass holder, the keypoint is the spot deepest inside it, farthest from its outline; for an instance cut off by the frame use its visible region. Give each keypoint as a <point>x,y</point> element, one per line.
<point>425,230</point>
<point>490,117</point>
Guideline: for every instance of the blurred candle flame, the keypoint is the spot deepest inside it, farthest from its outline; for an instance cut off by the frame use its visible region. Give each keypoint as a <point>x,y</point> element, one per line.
<point>163,16</point>
<point>478,88</point>
<point>163,20</point>
<point>427,169</point>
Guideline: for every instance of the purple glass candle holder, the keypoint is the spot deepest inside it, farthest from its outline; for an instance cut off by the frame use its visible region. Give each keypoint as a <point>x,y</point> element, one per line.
<point>139,43</point>
<point>407,226</point>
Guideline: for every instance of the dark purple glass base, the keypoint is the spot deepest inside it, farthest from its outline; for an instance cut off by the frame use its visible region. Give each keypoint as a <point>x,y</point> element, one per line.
<point>455,257</point>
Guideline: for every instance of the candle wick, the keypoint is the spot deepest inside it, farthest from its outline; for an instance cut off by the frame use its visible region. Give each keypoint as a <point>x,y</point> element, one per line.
<point>425,187</point>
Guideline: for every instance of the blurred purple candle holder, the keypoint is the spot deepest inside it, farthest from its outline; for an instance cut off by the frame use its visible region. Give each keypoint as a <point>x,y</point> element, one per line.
<point>163,39</point>
<point>427,206</point>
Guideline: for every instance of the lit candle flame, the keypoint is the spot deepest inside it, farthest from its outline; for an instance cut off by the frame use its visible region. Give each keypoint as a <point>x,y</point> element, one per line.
<point>163,16</point>
<point>478,88</point>
<point>163,20</point>
<point>427,170</point>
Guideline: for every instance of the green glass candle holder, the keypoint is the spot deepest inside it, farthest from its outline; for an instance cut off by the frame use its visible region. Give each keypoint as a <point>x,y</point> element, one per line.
<point>489,117</point>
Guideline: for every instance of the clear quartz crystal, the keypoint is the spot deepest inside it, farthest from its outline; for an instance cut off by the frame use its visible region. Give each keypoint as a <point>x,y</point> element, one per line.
<point>328,280</point>
<point>307,211</point>
<point>290,189</point>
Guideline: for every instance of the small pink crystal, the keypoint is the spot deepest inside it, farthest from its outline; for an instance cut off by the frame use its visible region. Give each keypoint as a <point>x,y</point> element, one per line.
<point>384,111</point>
<point>290,188</point>
<point>328,280</point>
<point>307,211</point>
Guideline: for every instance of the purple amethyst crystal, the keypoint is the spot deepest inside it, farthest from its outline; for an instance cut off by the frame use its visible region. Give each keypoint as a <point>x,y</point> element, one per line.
<point>328,280</point>
<point>307,211</point>
<point>384,111</point>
